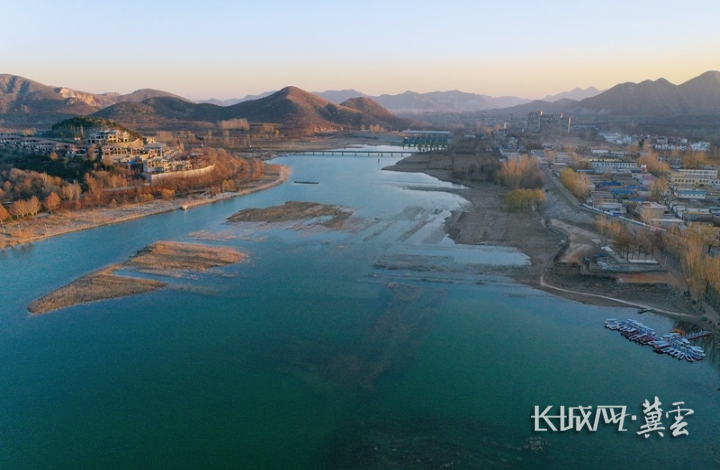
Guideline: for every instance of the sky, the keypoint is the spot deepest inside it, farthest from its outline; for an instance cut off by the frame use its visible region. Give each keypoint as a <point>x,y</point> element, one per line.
<point>229,49</point>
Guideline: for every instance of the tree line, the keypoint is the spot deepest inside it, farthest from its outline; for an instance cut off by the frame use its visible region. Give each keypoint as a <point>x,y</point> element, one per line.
<point>25,193</point>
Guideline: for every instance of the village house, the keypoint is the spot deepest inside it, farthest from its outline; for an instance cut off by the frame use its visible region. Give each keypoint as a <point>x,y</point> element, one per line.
<point>650,210</point>
<point>694,177</point>
<point>601,165</point>
<point>110,136</point>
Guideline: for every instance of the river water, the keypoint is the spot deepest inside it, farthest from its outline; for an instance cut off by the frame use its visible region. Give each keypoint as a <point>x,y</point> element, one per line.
<point>382,345</point>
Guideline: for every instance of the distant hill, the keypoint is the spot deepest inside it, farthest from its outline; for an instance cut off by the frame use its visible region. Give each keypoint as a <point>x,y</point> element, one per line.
<point>656,99</point>
<point>24,101</point>
<point>144,94</point>
<point>340,96</point>
<point>334,96</point>
<point>411,102</point>
<point>27,102</point>
<point>644,98</point>
<point>700,95</point>
<point>576,94</point>
<point>564,106</point>
<point>371,108</point>
<point>162,111</point>
<point>297,111</point>
<point>300,111</point>
<point>233,101</point>
<point>703,93</point>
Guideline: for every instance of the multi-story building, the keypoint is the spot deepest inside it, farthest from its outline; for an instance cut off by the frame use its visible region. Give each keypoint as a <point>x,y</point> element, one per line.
<point>675,161</point>
<point>539,123</point>
<point>694,177</point>
<point>611,164</point>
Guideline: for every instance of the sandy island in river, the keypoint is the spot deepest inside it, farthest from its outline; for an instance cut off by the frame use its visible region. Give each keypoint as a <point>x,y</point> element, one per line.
<point>185,256</point>
<point>159,258</point>
<point>327,215</point>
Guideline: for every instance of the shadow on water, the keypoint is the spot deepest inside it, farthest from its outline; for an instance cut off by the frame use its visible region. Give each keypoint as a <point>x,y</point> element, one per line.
<point>389,342</point>
<point>710,344</point>
<point>427,442</point>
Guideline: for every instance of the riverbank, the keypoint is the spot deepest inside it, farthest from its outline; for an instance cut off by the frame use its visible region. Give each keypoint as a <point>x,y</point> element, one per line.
<point>555,238</point>
<point>50,225</point>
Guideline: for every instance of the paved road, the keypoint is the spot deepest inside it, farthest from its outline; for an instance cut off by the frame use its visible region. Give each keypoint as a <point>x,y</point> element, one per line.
<point>625,302</point>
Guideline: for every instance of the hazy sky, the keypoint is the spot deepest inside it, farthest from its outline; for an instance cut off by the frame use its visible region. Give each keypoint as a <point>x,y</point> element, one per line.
<point>227,49</point>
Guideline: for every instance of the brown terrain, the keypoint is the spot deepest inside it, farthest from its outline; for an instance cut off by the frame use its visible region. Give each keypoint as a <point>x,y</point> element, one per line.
<point>100,285</point>
<point>27,102</point>
<point>160,258</point>
<point>333,216</point>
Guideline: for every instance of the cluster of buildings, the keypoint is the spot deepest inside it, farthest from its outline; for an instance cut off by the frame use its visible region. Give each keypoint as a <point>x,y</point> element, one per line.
<point>621,186</point>
<point>120,147</point>
<point>114,147</point>
<point>658,142</point>
<point>35,145</point>
<point>617,138</point>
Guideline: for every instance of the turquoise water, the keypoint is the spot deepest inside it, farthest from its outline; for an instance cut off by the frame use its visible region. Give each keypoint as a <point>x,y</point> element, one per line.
<point>380,346</point>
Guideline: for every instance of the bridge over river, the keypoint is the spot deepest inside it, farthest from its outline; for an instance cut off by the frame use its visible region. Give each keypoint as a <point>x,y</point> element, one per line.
<point>369,153</point>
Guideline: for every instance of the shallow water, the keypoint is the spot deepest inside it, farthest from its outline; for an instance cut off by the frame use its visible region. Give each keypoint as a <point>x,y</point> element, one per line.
<point>380,345</point>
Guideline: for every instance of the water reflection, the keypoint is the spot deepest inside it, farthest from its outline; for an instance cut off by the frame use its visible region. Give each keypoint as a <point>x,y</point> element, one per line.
<point>710,344</point>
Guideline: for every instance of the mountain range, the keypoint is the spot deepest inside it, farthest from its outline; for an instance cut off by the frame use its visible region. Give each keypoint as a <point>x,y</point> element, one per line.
<point>577,94</point>
<point>295,110</point>
<point>700,95</point>
<point>411,102</point>
<point>24,102</point>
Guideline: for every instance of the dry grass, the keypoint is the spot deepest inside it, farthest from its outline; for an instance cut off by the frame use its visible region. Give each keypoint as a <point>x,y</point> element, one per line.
<point>184,256</point>
<point>99,285</point>
<point>160,257</point>
<point>293,211</point>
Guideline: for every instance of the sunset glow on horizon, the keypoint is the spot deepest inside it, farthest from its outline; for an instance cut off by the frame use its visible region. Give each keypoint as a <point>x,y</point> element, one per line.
<point>220,49</point>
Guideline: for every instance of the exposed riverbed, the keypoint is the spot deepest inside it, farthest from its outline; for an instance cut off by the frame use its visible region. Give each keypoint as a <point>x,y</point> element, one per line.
<point>355,335</point>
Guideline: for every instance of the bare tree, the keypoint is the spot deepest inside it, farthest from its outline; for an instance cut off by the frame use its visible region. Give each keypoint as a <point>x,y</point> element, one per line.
<point>34,205</point>
<point>20,208</point>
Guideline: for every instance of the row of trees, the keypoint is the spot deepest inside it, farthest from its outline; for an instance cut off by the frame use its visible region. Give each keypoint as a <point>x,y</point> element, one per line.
<point>241,124</point>
<point>577,183</point>
<point>114,186</point>
<point>690,249</point>
<point>23,184</point>
<point>30,207</point>
<point>628,240</point>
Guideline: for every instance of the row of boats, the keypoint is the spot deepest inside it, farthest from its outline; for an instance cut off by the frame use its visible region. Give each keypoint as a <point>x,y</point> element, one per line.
<point>672,344</point>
